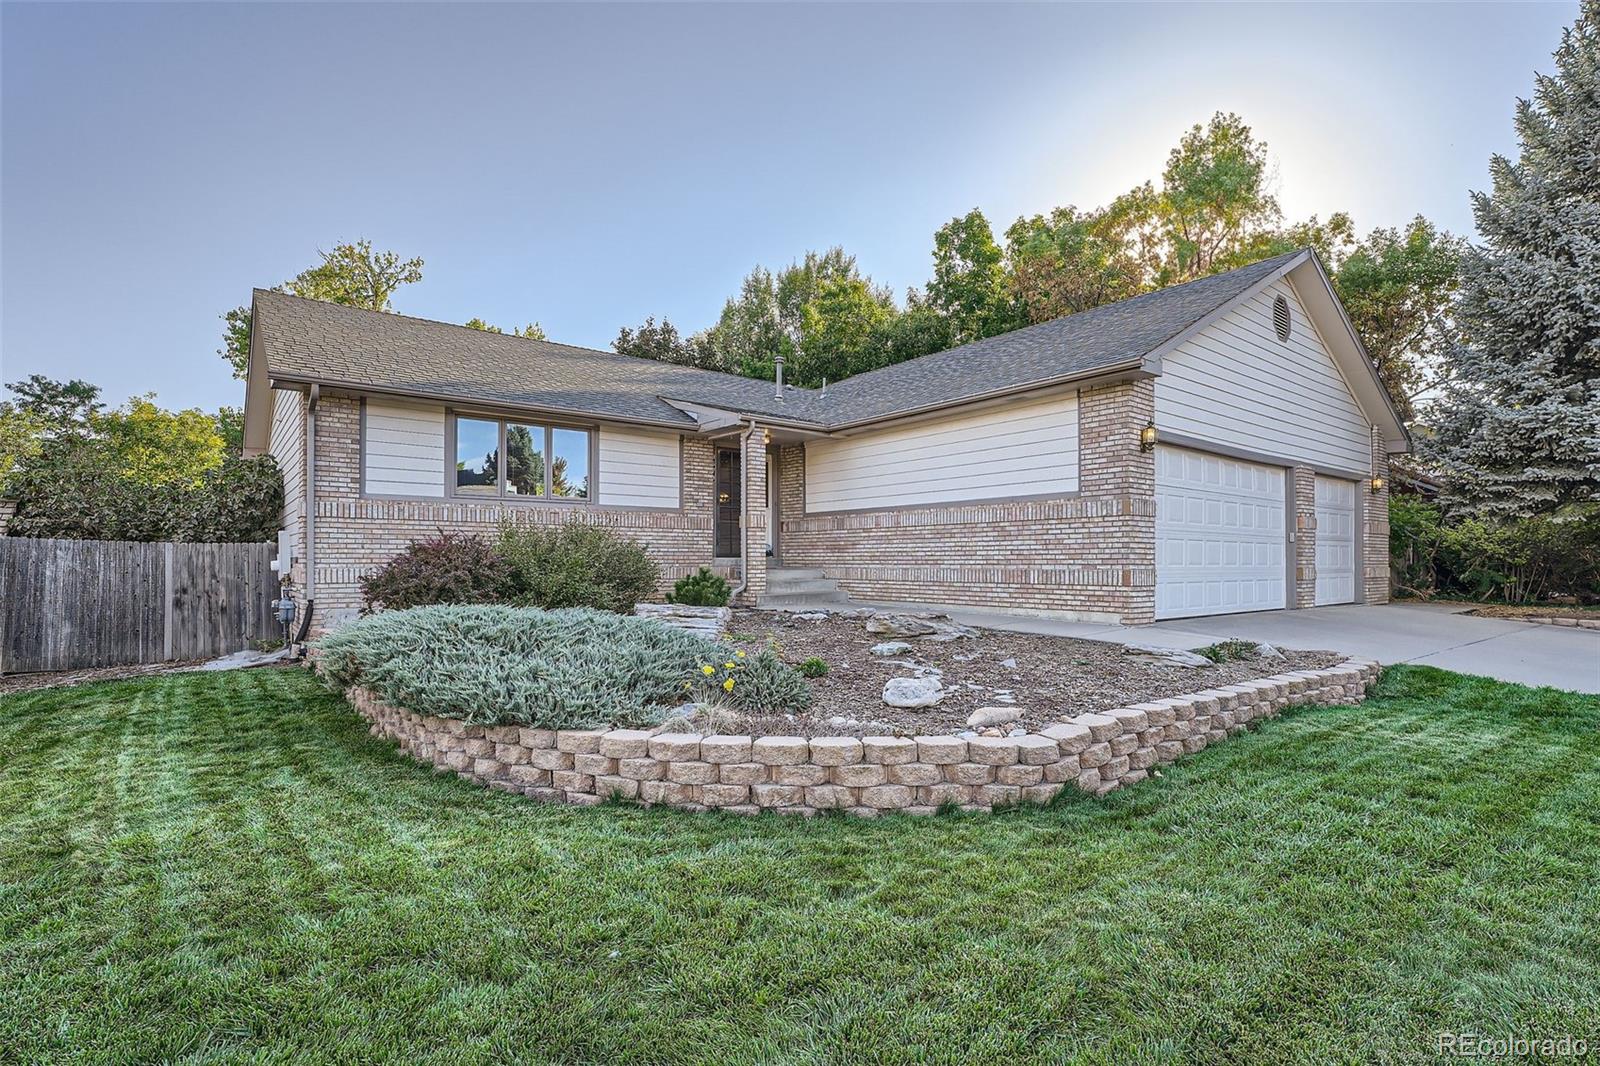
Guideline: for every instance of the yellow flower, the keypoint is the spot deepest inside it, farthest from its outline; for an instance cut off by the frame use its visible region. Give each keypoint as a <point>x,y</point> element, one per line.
<point>707,670</point>
<point>727,686</point>
<point>740,653</point>
<point>727,666</point>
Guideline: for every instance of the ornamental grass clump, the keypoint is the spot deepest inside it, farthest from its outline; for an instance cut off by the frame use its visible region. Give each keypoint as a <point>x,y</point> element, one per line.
<point>564,669</point>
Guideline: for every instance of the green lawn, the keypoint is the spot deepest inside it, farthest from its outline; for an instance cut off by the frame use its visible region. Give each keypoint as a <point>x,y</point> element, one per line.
<point>226,867</point>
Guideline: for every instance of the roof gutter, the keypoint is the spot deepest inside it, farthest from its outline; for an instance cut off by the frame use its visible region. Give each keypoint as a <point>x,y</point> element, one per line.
<point>302,381</point>
<point>1133,367</point>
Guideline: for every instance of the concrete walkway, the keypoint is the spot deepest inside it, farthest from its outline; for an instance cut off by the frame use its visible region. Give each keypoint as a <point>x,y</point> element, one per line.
<point>1427,634</point>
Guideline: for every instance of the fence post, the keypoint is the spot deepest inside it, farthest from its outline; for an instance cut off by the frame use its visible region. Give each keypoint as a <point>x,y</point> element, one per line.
<point>166,584</point>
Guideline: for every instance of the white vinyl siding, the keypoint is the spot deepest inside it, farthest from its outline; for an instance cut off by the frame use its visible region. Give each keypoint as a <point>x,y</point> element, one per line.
<point>1220,535</point>
<point>638,468</point>
<point>1236,385</point>
<point>1021,449</point>
<point>404,453</point>
<point>287,446</point>
<point>1336,541</point>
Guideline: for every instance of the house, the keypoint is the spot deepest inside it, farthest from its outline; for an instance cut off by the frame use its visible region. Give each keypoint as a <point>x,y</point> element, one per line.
<point>1212,447</point>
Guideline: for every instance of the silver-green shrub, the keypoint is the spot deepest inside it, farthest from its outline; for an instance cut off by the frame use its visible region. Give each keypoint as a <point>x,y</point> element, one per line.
<point>494,665</point>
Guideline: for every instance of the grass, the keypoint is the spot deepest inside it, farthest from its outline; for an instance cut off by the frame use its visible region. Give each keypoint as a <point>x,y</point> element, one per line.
<point>225,867</point>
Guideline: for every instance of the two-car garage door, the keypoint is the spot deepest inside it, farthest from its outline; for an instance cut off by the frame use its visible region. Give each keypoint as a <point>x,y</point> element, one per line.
<point>1220,534</point>
<point>1222,538</point>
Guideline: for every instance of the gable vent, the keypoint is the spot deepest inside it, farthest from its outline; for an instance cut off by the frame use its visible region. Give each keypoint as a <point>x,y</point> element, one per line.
<point>1280,317</point>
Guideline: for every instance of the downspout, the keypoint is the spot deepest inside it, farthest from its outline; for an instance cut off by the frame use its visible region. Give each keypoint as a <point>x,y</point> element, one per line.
<point>311,505</point>
<point>744,513</point>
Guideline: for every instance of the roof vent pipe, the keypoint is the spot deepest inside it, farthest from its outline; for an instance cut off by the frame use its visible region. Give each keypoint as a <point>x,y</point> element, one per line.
<point>777,380</point>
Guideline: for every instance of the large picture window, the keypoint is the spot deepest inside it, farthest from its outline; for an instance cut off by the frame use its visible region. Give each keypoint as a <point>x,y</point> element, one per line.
<point>520,460</point>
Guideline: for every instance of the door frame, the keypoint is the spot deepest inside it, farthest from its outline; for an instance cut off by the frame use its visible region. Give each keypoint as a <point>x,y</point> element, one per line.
<point>717,524</point>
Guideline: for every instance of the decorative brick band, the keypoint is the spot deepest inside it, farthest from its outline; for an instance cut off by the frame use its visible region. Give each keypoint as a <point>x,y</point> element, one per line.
<point>864,776</point>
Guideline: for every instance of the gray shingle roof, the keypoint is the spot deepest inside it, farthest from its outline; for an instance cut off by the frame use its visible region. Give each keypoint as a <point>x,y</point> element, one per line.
<point>314,341</point>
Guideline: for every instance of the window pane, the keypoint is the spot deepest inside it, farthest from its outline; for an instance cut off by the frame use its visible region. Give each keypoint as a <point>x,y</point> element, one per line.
<point>477,456</point>
<point>524,460</point>
<point>569,472</point>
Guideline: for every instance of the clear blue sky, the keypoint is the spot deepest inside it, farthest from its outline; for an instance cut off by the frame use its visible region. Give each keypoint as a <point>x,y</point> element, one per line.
<point>589,166</point>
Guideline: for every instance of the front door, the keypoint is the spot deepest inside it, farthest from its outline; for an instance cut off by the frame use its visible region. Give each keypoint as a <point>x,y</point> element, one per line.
<point>726,524</point>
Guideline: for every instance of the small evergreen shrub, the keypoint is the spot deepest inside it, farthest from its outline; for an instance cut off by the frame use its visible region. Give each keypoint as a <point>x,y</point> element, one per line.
<point>814,667</point>
<point>565,669</point>
<point>576,564</point>
<point>448,568</point>
<point>700,589</point>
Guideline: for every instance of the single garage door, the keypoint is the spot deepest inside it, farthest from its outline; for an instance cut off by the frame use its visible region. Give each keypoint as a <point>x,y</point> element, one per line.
<point>1219,535</point>
<point>1336,541</point>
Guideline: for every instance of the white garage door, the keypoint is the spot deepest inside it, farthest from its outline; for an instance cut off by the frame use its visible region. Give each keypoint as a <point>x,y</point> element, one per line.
<point>1336,541</point>
<point>1219,535</point>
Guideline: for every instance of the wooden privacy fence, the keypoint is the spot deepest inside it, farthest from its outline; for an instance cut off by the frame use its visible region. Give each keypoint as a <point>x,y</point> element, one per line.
<point>74,604</point>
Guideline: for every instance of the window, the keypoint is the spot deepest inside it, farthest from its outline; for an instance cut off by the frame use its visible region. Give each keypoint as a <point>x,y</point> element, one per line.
<point>520,460</point>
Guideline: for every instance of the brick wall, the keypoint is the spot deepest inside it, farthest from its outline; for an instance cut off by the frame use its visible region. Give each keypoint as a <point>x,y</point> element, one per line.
<point>1304,492</point>
<point>1375,527</point>
<point>355,536</point>
<point>1089,554</point>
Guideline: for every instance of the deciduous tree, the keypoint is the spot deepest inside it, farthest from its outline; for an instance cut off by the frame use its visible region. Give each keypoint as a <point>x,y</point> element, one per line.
<point>351,274</point>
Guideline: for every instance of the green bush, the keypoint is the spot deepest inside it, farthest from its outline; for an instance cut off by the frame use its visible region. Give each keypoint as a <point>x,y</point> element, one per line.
<point>700,589</point>
<point>1525,560</point>
<point>814,667</point>
<point>767,686</point>
<point>1227,651</point>
<point>566,669</point>
<point>576,564</point>
<point>74,489</point>
<point>448,568</point>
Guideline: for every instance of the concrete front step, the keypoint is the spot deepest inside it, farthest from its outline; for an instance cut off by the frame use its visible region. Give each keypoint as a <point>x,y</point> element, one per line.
<point>801,586</point>
<point>803,599</point>
<point>809,587</point>
<point>777,574</point>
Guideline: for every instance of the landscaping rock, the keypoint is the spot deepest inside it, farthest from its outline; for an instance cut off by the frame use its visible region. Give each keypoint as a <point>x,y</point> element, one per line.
<point>992,716</point>
<point>913,691</point>
<point>1167,656</point>
<point>1267,651</point>
<point>710,622</point>
<point>890,647</point>
<point>935,627</point>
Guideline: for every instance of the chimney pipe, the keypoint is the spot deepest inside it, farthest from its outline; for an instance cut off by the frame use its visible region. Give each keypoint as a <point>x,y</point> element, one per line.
<point>777,381</point>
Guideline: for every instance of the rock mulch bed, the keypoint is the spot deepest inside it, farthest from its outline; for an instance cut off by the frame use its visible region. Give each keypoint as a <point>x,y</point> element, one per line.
<point>1027,680</point>
<point>746,774</point>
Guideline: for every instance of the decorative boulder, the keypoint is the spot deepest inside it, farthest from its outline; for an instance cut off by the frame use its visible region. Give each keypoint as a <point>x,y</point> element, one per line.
<point>913,691</point>
<point>891,647</point>
<point>1167,656</point>
<point>936,627</point>
<point>984,717</point>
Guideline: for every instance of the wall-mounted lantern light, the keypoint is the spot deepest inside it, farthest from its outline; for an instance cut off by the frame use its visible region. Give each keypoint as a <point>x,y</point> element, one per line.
<point>1148,437</point>
<point>1377,485</point>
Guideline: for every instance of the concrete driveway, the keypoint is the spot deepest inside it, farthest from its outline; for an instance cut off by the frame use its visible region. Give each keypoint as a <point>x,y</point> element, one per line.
<point>1427,634</point>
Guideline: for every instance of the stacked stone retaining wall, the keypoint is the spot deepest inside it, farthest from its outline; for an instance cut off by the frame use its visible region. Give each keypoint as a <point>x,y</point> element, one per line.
<point>864,776</point>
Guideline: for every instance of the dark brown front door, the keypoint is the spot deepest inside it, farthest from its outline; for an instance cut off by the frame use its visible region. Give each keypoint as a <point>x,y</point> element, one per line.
<point>727,504</point>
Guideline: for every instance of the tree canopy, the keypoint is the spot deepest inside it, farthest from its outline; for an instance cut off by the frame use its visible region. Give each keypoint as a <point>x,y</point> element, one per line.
<point>1517,425</point>
<point>351,274</point>
<point>1213,209</point>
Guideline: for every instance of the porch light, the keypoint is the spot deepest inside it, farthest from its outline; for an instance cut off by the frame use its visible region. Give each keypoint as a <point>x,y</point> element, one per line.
<point>1148,437</point>
<point>1377,485</point>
